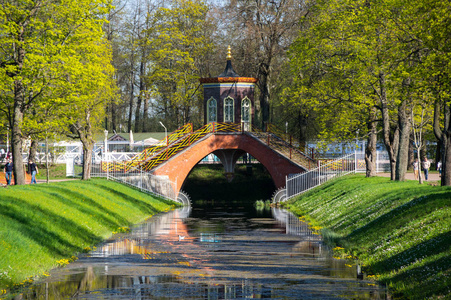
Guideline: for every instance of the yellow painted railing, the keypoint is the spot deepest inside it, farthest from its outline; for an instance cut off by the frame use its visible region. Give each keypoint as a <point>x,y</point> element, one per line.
<point>184,137</point>
<point>311,152</point>
<point>167,141</point>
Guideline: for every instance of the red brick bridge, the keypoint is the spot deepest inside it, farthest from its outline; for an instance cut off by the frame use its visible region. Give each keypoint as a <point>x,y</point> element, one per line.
<point>174,157</point>
<point>228,142</point>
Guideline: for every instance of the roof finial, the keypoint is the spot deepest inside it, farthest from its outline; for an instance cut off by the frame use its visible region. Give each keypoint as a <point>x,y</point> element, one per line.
<point>229,53</point>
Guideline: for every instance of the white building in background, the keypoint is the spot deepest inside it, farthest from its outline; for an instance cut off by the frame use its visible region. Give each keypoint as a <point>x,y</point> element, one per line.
<point>120,146</point>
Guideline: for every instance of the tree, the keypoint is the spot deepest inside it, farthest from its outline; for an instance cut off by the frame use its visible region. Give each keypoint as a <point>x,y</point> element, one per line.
<point>264,30</point>
<point>328,78</point>
<point>38,57</point>
<point>177,45</point>
<point>92,88</point>
<point>433,32</point>
<point>364,50</point>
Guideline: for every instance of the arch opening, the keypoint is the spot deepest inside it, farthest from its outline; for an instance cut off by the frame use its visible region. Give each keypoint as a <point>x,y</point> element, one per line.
<point>278,166</point>
<point>210,187</point>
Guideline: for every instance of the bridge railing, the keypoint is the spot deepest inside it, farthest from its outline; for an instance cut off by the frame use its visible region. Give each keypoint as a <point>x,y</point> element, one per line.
<point>185,136</point>
<point>279,144</point>
<point>289,139</point>
<point>160,186</point>
<point>300,183</point>
<point>162,144</point>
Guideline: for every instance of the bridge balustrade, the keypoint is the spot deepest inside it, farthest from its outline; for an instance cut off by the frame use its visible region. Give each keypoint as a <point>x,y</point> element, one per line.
<point>301,183</point>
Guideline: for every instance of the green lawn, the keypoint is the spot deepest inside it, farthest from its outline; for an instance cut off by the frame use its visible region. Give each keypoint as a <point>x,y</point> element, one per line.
<point>400,231</point>
<point>43,226</point>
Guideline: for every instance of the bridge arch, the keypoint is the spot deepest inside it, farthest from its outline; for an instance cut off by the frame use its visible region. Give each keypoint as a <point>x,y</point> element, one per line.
<point>178,167</point>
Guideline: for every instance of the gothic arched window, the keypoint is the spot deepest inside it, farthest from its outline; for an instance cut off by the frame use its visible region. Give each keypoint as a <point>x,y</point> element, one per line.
<point>229,110</point>
<point>212,109</point>
<point>246,113</point>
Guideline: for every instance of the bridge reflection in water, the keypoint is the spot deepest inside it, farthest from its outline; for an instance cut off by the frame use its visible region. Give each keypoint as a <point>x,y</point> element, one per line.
<point>176,256</point>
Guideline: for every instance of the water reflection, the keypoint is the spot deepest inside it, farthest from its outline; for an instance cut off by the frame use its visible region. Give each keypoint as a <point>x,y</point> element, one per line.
<point>222,256</point>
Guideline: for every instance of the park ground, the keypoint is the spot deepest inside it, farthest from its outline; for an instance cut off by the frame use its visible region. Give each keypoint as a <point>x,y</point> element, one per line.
<point>44,226</point>
<point>399,231</point>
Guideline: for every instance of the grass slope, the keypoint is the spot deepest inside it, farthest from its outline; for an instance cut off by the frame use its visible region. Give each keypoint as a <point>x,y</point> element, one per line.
<point>43,226</point>
<point>400,231</point>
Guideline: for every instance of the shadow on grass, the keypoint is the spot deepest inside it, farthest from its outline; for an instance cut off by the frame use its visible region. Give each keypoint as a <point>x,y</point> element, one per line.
<point>102,218</point>
<point>18,211</point>
<point>433,246</point>
<point>399,216</point>
<point>142,205</point>
<point>136,189</point>
<point>431,276</point>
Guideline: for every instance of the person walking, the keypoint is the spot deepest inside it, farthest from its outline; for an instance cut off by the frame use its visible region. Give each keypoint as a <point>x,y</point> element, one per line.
<point>416,167</point>
<point>439,168</point>
<point>33,170</point>
<point>426,165</point>
<point>8,171</point>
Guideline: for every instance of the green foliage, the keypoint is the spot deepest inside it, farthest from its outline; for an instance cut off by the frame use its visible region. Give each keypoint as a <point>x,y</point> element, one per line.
<point>398,230</point>
<point>65,58</point>
<point>353,56</point>
<point>330,63</point>
<point>55,68</point>
<point>43,225</point>
<point>178,43</point>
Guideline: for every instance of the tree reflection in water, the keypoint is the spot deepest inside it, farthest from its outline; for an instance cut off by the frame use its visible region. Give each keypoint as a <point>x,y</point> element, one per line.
<point>225,256</point>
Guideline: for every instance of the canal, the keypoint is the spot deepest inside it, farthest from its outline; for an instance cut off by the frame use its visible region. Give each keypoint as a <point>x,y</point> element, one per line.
<point>210,252</point>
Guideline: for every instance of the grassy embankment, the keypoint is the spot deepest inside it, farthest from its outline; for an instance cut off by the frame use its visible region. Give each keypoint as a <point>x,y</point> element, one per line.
<point>399,231</point>
<point>44,226</point>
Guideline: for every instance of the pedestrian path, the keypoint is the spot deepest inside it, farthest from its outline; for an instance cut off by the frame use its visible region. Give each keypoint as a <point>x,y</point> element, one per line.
<point>3,179</point>
<point>409,176</point>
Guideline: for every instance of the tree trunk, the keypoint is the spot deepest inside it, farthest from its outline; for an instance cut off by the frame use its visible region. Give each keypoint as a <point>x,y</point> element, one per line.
<point>404,141</point>
<point>146,125</point>
<point>391,143</point>
<point>411,152</point>
<point>16,145</point>
<point>87,162</point>
<point>142,69</point>
<point>114,117</point>
<point>132,100</point>
<point>86,138</point>
<point>370,150</point>
<point>138,113</point>
<point>47,171</point>
<point>302,123</point>
<point>33,150</point>
<point>19,103</point>
<point>444,138</point>
<point>263,77</point>
<point>438,153</point>
<point>446,162</point>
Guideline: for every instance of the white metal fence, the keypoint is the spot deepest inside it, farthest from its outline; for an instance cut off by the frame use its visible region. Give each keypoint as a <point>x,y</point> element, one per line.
<point>303,182</point>
<point>333,168</point>
<point>160,186</point>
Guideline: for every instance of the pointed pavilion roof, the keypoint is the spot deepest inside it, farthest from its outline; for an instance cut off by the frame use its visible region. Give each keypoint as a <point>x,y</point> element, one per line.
<point>229,74</point>
<point>229,71</point>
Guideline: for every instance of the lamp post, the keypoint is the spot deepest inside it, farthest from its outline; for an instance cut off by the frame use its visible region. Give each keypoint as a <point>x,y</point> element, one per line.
<point>106,143</point>
<point>165,133</point>
<point>286,130</point>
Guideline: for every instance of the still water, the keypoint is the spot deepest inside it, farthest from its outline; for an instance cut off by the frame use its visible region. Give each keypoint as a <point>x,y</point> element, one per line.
<point>189,253</point>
